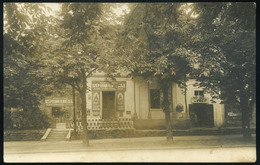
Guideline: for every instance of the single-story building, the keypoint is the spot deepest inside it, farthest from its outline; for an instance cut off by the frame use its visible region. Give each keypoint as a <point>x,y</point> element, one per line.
<point>134,103</point>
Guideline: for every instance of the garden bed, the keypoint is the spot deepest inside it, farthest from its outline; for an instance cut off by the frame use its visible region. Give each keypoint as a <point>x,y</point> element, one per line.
<point>23,135</point>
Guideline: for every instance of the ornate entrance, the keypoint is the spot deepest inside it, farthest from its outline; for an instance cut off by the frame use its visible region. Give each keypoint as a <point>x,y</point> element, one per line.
<point>108,102</point>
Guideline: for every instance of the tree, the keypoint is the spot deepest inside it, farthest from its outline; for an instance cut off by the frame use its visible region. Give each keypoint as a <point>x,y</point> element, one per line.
<point>227,54</point>
<point>24,29</point>
<point>80,24</point>
<point>75,49</point>
<point>154,41</point>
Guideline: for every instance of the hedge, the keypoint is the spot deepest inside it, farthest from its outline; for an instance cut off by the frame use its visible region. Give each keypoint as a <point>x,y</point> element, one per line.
<point>23,135</point>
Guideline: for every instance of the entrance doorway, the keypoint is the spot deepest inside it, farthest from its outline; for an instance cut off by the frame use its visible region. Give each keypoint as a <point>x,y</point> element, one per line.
<point>56,112</point>
<point>58,115</point>
<point>108,102</point>
<point>201,115</point>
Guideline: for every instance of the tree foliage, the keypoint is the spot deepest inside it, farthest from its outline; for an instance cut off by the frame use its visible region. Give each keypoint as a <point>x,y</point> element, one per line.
<point>86,45</point>
<point>227,50</point>
<point>24,30</point>
<point>157,40</point>
<point>83,43</point>
<point>165,40</point>
<point>155,44</point>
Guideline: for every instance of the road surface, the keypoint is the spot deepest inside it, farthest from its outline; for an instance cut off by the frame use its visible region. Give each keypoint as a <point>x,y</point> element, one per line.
<point>245,154</point>
<point>223,148</point>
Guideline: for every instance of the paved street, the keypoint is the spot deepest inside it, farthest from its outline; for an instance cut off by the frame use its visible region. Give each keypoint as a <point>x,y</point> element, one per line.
<point>246,154</point>
<point>224,148</point>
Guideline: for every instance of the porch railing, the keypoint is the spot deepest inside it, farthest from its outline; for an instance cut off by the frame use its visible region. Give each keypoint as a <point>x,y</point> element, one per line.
<point>104,124</point>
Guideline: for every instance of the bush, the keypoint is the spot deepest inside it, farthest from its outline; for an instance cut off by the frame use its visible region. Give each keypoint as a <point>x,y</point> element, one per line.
<point>179,108</point>
<point>24,135</point>
<point>30,119</point>
<point>101,134</point>
<point>7,119</point>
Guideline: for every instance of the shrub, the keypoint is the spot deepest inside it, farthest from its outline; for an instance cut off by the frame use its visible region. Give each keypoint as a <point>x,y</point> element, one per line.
<point>30,119</point>
<point>23,135</point>
<point>179,108</point>
<point>7,119</point>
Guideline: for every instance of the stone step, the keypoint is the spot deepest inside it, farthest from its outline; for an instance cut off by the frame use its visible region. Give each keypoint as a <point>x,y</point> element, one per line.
<point>59,139</point>
<point>59,132</point>
<point>63,133</point>
<point>60,125</point>
<point>57,135</point>
<point>50,139</point>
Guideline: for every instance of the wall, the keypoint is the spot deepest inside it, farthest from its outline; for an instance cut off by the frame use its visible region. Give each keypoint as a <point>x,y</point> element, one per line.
<point>142,98</point>
<point>142,101</point>
<point>142,105</point>
<point>218,109</point>
<point>64,107</point>
<point>179,99</point>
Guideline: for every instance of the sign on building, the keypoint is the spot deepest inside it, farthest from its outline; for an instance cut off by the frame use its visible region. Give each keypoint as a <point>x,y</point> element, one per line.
<point>52,102</point>
<point>96,103</point>
<point>120,101</point>
<point>106,85</point>
<point>197,99</point>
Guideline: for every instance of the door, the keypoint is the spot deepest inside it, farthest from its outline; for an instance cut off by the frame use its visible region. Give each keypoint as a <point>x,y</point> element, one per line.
<point>56,113</point>
<point>201,115</point>
<point>59,115</point>
<point>108,102</point>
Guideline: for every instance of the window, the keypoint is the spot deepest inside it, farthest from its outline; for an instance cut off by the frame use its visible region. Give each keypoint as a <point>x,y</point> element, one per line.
<point>198,93</point>
<point>155,98</point>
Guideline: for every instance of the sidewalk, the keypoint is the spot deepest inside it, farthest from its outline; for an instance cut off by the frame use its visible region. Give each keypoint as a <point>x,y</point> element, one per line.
<point>142,143</point>
<point>197,131</point>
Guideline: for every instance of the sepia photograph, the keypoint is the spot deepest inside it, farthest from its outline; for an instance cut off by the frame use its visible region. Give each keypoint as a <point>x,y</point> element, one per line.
<point>129,82</point>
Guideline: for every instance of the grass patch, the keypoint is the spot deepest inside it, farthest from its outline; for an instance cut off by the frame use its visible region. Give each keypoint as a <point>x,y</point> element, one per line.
<point>23,135</point>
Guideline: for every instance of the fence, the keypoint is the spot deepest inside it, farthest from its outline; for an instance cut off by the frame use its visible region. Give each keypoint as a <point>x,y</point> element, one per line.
<point>105,124</point>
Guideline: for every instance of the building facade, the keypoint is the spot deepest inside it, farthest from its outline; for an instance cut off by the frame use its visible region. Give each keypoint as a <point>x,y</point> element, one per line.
<point>137,102</point>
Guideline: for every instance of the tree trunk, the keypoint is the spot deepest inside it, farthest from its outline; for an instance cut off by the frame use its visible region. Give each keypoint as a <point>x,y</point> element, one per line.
<point>166,109</point>
<point>245,118</point>
<point>185,95</point>
<point>85,139</point>
<point>74,113</point>
<point>168,126</point>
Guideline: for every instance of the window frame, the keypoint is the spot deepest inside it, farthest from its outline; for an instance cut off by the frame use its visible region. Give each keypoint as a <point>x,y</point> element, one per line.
<point>152,107</point>
<point>198,93</point>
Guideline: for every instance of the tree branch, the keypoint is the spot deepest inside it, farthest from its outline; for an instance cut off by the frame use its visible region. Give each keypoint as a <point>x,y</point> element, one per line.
<point>77,86</point>
<point>91,72</point>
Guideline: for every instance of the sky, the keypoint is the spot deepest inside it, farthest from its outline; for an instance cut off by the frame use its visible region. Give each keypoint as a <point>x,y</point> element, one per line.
<point>53,6</point>
<point>118,10</point>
